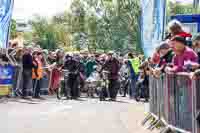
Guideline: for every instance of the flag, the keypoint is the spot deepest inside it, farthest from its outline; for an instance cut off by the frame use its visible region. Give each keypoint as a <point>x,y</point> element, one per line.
<point>6,8</point>
<point>152,24</point>
<point>196,3</point>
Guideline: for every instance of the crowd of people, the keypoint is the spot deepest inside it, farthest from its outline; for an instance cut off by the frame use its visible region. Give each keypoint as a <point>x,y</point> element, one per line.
<point>179,52</point>
<point>32,63</point>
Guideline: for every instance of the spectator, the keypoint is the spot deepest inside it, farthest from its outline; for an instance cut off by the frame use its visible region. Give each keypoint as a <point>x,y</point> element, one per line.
<point>124,74</point>
<point>73,66</point>
<point>133,63</point>
<point>155,58</point>
<point>44,57</point>
<point>90,65</point>
<point>27,62</point>
<point>51,58</point>
<point>176,29</point>
<point>112,66</point>
<point>18,79</point>
<point>142,84</point>
<point>184,57</point>
<point>56,72</point>
<point>37,73</point>
<point>166,54</point>
<point>196,46</point>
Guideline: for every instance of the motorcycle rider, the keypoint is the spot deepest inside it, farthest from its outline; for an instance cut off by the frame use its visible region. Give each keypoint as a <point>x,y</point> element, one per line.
<point>73,66</point>
<point>112,65</point>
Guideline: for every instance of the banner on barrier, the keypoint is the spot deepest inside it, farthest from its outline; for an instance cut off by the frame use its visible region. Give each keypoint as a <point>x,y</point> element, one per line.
<point>6,8</point>
<point>6,79</point>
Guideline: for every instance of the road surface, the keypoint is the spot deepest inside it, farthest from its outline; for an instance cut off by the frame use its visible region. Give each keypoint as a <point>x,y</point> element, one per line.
<point>81,116</point>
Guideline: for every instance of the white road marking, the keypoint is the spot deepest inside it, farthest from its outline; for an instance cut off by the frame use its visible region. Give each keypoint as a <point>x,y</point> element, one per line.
<point>56,110</point>
<point>146,107</point>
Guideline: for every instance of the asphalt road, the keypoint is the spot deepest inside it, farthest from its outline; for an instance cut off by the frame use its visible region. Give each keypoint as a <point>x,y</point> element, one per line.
<point>81,116</point>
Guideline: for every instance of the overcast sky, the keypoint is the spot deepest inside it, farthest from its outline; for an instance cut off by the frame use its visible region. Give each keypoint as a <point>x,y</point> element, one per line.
<point>184,1</point>
<point>24,9</point>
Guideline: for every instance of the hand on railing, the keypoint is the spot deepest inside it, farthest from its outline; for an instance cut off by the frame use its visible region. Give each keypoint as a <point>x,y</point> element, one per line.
<point>195,66</point>
<point>195,75</point>
<point>170,70</point>
<point>157,72</point>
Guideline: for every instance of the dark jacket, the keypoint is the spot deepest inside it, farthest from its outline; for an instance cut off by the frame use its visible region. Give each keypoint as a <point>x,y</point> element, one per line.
<point>166,58</point>
<point>27,61</point>
<point>72,65</point>
<point>198,57</point>
<point>90,67</point>
<point>113,67</point>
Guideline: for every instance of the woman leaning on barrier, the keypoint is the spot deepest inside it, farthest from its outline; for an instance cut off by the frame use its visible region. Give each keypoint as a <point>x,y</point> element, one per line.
<point>196,46</point>
<point>185,59</point>
<point>166,56</point>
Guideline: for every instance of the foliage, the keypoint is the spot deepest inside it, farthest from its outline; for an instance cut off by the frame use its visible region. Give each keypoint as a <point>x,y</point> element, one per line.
<point>178,8</point>
<point>93,25</point>
<point>13,31</point>
<point>43,33</point>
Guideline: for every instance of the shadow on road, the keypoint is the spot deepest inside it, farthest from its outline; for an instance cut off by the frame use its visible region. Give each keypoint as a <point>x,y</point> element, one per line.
<point>80,100</point>
<point>118,101</point>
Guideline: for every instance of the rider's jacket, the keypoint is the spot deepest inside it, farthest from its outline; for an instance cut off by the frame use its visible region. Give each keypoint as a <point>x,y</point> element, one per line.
<point>72,65</point>
<point>112,66</point>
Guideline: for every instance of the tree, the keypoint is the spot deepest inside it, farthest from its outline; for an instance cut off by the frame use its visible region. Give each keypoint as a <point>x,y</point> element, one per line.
<point>13,32</point>
<point>174,8</point>
<point>43,33</point>
<point>92,25</point>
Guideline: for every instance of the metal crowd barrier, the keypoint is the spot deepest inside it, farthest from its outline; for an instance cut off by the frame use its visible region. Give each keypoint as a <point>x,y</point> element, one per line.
<point>175,103</point>
<point>196,105</point>
<point>18,83</point>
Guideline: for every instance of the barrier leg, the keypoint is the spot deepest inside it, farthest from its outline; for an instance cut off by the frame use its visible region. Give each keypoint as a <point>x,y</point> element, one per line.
<point>157,124</point>
<point>146,119</point>
<point>153,124</point>
<point>166,130</point>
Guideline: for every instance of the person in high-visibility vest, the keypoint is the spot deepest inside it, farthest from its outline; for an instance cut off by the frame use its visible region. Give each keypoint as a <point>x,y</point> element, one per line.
<point>134,64</point>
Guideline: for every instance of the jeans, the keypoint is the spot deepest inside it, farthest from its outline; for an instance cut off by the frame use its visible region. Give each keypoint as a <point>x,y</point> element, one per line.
<point>36,87</point>
<point>18,81</point>
<point>27,82</point>
<point>73,83</point>
<point>133,86</point>
<point>113,88</point>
